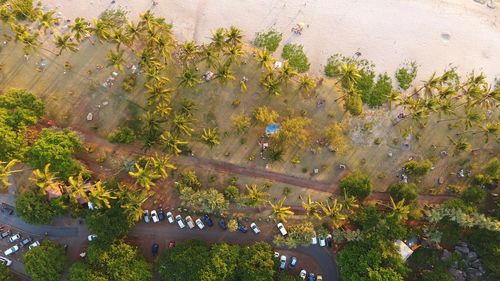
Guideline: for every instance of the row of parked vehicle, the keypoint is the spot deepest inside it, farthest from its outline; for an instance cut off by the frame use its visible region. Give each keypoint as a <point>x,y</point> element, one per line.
<point>19,242</point>
<point>293,264</point>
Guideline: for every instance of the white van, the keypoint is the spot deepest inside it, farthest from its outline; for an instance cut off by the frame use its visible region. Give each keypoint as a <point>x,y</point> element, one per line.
<point>282,229</point>
<point>11,250</point>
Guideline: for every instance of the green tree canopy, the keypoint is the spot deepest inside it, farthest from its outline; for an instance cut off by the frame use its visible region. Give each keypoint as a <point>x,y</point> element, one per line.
<point>185,262</point>
<point>80,271</point>
<point>109,224</point>
<point>34,208</point>
<point>223,263</point>
<point>400,191</point>
<point>357,185</point>
<point>46,262</point>
<point>55,148</point>
<point>296,57</point>
<point>418,169</point>
<point>257,263</point>
<point>5,274</point>
<point>269,40</point>
<point>23,108</point>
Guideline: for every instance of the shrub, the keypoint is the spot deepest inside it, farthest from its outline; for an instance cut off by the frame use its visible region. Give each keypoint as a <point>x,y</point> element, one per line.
<point>332,67</point>
<point>474,195</point>
<point>46,262</point>
<point>357,185</point>
<point>418,169</point>
<point>406,74</point>
<point>129,83</point>
<point>269,40</point>
<point>400,191</point>
<point>34,208</point>
<point>353,104</point>
<point>231,193</point>
<point>295,55</point>
<point>122,135</point>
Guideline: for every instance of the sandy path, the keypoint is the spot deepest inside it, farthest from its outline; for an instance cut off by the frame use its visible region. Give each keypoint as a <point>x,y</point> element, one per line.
<point>384,31</point>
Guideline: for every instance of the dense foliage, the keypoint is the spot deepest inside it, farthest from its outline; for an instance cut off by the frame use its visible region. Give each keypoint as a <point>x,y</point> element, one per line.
<point>400,191</point>
<point>296,56</point>
<point>5,274</point>
<point>269,39</point>
<point>122,135</point>
<point>46,262</point>
<point>406,74</point>
<point>33,207</point>
<point>357,185</point>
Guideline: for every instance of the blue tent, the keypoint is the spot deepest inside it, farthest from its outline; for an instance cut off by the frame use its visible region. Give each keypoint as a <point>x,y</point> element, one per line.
<point>272,128</point>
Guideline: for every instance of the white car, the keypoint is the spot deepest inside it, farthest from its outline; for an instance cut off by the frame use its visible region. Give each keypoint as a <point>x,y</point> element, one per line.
<point>178,218</point>
<point>91,237</point>
<point>282,263</point>
<point>5,261</point>
<point>314,240</point>
<point>282,229</point>
<point>170,217</point>
<point>146,216</point>
<point>276,254</point>
<point>189,222</point>
<point>319,278</point>
<point>11,250</point>
<point>154,216</point>
<point>15,237</point>
<point>200,224</point>
<point>322,241</point>
<point>254,227</point>
<point>303,274</point>
<point>33,245</point>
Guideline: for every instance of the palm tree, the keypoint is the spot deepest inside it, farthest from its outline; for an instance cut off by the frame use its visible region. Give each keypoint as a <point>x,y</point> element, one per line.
<point>154,74</point>
<point>118,37</point>
<point>279,212</point>
<point>47,20</point>
<point>286,72</point>
<point>272,85</point>
<point>234,54</point>
<point>312,208</point>
<point>44,178</point>
<point>461,145</point>
<point>77,188</point>
<point>233,35</point>
<point>26,37</point>
<point>209,55</point>
<point>394,97</point>
<point>132,202</point>
<point>99,196</point>
<point>144,177</point>
<point>264,59</point>
<point>187,107</point>
<point>81,29</point>
<point>224,74</point>
<point>164,46</point>
<point>488,130</point>
<point>219,38</point>
<point>151,129</point>
<point>469,119</point>
<point>65,43</point>
<point>148,59</point>
<point>157,93</point>
<point>115,59</point>
<point>5,14</point>
<point>210,137</point>
<point>255,196</point>
<point>181,124</point>
<point>5,172</point>
<point>349,75</point>
<point>172,143</point>
<point>399,209</point>
<point>161,163</point>
<point>101,30</point>
<point>132,32</point>
<point>189,78</point>
<point>334,212</point>
<point>189,51</point>
<point>306,84</point>
<point>350,202</point>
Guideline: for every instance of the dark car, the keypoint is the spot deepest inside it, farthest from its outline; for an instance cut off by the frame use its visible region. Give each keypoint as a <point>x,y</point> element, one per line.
<point>155,249</point>
<point>293,262</point>
<point>161,214</point>
<point>25,242</point>
<point>222,224</point>
<point>208,220</point>
<point>242,228</point>
<point>5,234</point>
<point>311,277</point>
<point>171,244</point>
<point>329,241</point>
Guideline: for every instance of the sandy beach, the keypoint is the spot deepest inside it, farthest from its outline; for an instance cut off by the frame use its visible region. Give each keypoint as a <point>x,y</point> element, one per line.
<point>434,33</point>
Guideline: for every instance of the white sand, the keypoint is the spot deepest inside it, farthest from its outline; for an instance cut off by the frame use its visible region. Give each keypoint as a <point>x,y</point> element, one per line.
<point>386,32</point>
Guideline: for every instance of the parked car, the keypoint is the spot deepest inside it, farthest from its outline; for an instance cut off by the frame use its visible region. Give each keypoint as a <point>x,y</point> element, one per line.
<point>178,218</point>
<point>255,228</point>
<point>15,237</point>
<point>146,216</point>
<point>311,277</point>
<point>11,250</point>
<point>314,239</point>
<point>282,229</point>
<point>91,237</point>
<point>222,224</point>
<point>25,242</point>
<point>154,249</point>
<point>319,278</point>
<point>242,228</point>
<point>161,214</point>
<point>189,222</point>
<point>293,262</point>
<point>5,234</point>
<point>154,216</point>
<point>5,261</point>
<point>208,220</point>
<point>35,244</point>
<point>200,224</point>
<point>171,244</point>
<point>282,262</point>
<point>322,241</point>
<point>170,217</point>
<point>303,274</point>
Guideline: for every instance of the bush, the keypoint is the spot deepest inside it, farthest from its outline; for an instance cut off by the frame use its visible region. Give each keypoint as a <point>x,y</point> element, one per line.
<point>296,57</point>
<point>23,9</point>
<point>34,208</point>
<point>353,104</point>
<point>45,262</point>
<point>406,74</point>
<point>129,83</point>
<point>21,108</point>
<point>400,191</point>
<point>418,169</point>
<point>122,135</point>
<point>332,67</point>
<point>269,40</point>
<point>231,193</point>
<point>474,195</point>
<point>357,185</point>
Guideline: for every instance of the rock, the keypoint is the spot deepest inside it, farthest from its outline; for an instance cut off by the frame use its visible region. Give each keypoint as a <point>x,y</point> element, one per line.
<point>476,264</point>
<point>446,255</point>
<point>462,244</point>
<point>472,256</point>
<point>90,116</point>
<point>472,272</point>
<point>457,274</point>
<point>105,103</point>
<point>480,1</point>
<point>462,250</point>
<point>440,180</point>
<point>389,154</point>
